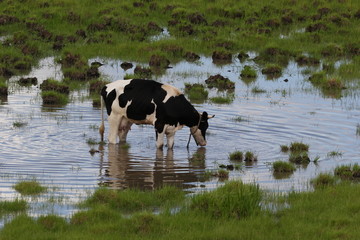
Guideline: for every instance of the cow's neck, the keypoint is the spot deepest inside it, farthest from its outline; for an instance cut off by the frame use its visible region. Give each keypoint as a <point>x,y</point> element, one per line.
<point>193,120</point>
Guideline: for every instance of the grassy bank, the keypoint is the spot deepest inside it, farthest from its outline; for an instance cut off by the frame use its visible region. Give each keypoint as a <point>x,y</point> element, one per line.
<point>134,30</point>
<point>234,211</point>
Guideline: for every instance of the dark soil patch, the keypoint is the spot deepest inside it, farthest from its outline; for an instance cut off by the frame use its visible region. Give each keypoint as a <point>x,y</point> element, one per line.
<point>197,18</point>
<point>305,60</point>
<point>27,81</point>
<point>242,56</point>
<point>152,26</point>
<point>271,70</point>
<point>159,61</point>
<point>126,65</point>
<point>3,91</point>
<point>6,19</point>
<point>220,82</point>
<point>72,60</point>
<point>142,72</point>
<point>93,72</point>
<point>191,57</point>
<point>221,57</point>
<point>96,86</point>
<point>53,85</point>
<point>317,27</point>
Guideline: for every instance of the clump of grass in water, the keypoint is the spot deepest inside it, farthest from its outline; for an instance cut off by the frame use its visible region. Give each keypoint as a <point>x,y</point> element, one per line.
<point>250,157</point>
<point>19,124</point>
<point>283,167</point>
<point>233,200</point>
<point>196,92</point>
<point>229,98</point>
<point>298,152</point>
<point>248,72</point>
<point>31,187</point>
<point>334,154</point>
<point>348,172</point>
<point>236,156</point>
<point>54,98</point>
<point>299,147</point>
<point>358,129</point>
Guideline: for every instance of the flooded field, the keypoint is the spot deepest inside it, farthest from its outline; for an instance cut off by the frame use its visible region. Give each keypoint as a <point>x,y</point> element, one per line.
<point>52,144</point>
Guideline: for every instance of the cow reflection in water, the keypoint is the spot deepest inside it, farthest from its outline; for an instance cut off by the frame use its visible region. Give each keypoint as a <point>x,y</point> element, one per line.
<point>127,170</point>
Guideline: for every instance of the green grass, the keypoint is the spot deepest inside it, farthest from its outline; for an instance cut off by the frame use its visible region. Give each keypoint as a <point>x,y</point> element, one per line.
<point>29,187</point>
<point>133,199</point>
<point>233,200</point>
<point>248,72</point>
<point>54,98</point>
<point>250,157</point>
<point>17,205</point>
<point>236,156</point>
<point>349,172</point>
<point>281,167</point>
<point>19,124</point>
<point>233,211</point>
<point>196,92</point>
<point>323,180</point>
<point>299,147</point>
<point>227,99</point>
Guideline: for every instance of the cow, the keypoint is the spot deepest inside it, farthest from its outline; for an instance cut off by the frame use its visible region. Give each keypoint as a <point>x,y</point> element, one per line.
<point>143,101</point>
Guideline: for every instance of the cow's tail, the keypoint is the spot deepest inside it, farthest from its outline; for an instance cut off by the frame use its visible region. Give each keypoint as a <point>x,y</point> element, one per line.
<point>102,126</point>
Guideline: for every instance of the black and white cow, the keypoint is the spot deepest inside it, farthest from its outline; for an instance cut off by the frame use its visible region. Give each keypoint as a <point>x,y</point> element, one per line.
<point>148,102</point>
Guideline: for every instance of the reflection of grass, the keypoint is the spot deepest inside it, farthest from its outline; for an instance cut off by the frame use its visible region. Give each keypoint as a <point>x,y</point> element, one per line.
<point>358,129</point>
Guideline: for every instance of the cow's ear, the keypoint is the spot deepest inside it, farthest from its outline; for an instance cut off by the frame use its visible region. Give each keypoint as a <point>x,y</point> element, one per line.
<point>211,116</point>
<point>204,115</point>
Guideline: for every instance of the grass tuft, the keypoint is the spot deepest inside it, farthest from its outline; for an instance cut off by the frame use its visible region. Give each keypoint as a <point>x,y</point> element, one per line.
<point>31,187</point>
<point>236,156</point>
<point>233,200</point>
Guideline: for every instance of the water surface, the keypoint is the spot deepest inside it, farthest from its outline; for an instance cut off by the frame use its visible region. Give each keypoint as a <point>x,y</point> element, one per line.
<point>53,148</point>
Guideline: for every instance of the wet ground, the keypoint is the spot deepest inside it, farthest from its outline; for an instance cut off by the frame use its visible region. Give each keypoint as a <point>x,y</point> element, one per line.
<point>52,145</point>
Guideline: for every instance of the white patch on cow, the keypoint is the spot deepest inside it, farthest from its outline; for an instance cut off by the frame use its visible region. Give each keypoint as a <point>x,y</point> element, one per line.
<point>195,131</point>
<point>170,92</point>
<point>169,131</point>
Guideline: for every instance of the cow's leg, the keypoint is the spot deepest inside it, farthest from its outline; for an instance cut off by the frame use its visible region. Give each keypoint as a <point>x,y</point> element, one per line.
<point>124,128</point>
<point>114,121</point>
<point>170,139</point>
<point>159,139</point>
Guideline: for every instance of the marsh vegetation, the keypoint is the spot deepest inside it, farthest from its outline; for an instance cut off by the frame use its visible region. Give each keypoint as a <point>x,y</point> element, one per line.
<point>292,70</point>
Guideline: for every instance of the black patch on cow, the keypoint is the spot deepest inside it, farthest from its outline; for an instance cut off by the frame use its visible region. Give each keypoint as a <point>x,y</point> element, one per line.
<point>146,95</point>
<point>141,93</point>
<point>108,98</point>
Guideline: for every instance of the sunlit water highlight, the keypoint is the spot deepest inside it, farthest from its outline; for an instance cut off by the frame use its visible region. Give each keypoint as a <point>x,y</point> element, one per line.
<point>52,147</point>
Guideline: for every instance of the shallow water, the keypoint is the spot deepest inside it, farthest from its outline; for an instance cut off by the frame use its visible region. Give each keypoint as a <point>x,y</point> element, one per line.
<point>52,146</point>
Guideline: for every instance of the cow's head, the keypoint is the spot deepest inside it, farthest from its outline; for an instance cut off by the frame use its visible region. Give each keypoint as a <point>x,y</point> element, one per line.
<point>199,131</point>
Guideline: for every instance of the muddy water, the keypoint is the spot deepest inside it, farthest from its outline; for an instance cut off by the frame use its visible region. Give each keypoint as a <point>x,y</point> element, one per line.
<point>53,145</point>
